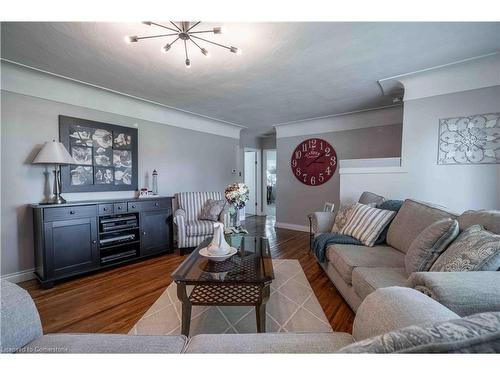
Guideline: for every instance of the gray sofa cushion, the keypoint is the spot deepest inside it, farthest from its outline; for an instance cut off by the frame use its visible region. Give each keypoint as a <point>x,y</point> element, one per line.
<point>465,293</point>
<point>269,343</point>
<point>105,343</point>
<point>411,220</point>
<point>366,280</point>
<point>368,197</point>
<point>20,322</point>
<point>475,249</point>
<point>428,246</point>
<point>489,220</point>
<point>345,258</point>
<point>478,333</point>
<point>393,308</point>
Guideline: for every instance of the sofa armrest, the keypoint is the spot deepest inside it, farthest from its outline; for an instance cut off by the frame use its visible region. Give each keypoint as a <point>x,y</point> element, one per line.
<point>465,293</point>
<point>20,322</point>
<point>322,222</point>
<point>388,309</point>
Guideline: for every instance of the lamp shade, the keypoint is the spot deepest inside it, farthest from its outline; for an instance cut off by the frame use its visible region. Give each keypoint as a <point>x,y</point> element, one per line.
<point>53,153</point>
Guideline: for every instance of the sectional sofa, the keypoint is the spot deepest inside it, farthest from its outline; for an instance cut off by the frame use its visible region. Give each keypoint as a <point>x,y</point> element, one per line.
<point>389,320</point>
<point>357,271</point>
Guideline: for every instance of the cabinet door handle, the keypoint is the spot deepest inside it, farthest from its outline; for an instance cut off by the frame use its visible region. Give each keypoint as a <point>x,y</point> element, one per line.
<point>156,204</point>
<point>119,207</point>
<point>144,233</point>
<point>133,206</point>
<point>104,209</point>
<point>72,212</point>
<point>94,242</point>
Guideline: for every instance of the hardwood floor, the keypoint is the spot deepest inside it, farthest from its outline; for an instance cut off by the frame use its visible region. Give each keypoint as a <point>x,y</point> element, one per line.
<point>114,300</point>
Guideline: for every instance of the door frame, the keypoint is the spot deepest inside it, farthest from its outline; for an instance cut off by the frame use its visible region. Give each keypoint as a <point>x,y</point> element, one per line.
<point>258,178</point>
<point>264,177</point>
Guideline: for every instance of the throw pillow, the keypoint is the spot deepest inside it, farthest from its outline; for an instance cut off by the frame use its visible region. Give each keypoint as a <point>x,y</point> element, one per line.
<point>391,205</point>
<point>479,333</point>
<point>475,249</point>
<point>211,210</point>
<point>341,218</point>
<point>366,223</point>
<point>429,244</point>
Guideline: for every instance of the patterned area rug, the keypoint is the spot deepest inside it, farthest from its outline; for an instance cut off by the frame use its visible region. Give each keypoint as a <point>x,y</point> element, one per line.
<point>292,307</point>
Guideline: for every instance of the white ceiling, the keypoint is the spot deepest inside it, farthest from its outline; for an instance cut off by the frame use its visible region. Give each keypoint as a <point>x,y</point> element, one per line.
<point>287,72</point>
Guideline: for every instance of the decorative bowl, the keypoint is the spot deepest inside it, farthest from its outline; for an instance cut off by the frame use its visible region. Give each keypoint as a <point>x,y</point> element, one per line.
<point>218,258</point>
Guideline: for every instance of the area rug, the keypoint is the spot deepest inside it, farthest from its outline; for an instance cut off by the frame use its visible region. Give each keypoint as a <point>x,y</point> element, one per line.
<point>292,307</point>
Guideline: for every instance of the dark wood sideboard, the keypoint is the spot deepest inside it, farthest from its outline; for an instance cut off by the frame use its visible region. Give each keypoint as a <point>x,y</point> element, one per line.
<point>80,237</point>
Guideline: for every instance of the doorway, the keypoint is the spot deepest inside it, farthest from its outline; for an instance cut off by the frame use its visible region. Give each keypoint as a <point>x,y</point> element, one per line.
<point>269,182</point>
<point>252,180</point>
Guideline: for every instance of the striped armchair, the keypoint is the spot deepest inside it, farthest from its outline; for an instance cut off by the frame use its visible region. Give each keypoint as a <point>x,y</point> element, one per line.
<point>190,230</point>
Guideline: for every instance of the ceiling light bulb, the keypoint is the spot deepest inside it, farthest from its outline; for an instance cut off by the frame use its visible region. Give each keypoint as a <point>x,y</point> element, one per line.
<point>165,48</point>
<point>205,52</point>
<point>131,39</point>
<point>188,63</point>
<point>235,50</point>
<point>218,30</point>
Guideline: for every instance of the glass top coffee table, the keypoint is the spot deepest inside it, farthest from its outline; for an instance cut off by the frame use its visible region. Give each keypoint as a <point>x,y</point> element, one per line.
<point>242,280</point>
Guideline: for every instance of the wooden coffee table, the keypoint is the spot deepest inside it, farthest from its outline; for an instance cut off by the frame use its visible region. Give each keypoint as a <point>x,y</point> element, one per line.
<point>242,280</point>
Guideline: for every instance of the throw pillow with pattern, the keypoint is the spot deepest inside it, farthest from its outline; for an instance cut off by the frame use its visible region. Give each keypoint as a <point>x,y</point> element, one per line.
<point>211,210</point>
<point>341,218</point>
<point>475,249</point>
<point>366,223</point>
<point>429,244</point>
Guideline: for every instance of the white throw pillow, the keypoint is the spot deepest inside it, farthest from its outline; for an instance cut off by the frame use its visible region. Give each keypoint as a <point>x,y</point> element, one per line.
<point>366,223</point>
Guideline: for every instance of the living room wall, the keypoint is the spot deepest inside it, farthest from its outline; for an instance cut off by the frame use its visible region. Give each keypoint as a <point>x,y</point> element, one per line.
<point>295,199</point>
<point>186,160</point>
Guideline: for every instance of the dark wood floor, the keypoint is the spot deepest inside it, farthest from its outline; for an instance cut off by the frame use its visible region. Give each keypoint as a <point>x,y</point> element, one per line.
<point>114,300</point>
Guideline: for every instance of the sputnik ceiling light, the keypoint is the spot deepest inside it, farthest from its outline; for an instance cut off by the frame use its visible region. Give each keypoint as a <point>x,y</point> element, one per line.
<point>184,31</point>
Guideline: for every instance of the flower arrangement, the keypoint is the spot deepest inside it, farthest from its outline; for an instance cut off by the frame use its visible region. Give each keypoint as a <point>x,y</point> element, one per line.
<point>237,195</point>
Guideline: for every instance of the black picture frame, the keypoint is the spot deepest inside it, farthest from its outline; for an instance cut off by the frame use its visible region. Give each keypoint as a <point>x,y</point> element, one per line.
<point>125,145</point>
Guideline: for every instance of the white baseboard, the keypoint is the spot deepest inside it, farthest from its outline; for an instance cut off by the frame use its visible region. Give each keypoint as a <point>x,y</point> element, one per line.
<point>20,276</point>
<point>301,228</point>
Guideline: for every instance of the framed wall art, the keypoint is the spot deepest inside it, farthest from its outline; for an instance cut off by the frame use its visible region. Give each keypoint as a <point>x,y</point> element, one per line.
<point>106,156</point>
<point>469,140</point>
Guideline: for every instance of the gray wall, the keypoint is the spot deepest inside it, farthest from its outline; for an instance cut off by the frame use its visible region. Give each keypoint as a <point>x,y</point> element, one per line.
<point>185,160</point>
<point>295,200</point>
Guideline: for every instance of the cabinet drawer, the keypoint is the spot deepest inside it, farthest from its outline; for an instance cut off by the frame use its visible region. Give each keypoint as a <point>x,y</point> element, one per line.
<point>106,209</point>
<point>64,213</point>
<point>149,205</point>
<point>120,207</point>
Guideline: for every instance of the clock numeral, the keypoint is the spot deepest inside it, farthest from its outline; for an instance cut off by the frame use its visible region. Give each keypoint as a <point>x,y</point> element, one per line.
<point>304,176</point>
<point>313,180</point>
<point>294,163</point>
<point>298,154</point>
<point>312,143</point>
<point>327,151</point>
<point>321,146</point>
<point>298,171</point>
<point>304,147</point>
<point>328,171</point>
<point>320,177</point>
<point>333,161</point>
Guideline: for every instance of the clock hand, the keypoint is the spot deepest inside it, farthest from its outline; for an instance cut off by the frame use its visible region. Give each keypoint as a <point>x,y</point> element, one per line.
<point>315,160</point>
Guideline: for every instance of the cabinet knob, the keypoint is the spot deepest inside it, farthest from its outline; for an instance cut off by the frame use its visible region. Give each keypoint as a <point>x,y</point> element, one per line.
<point>133,206</point>
<point>156,204</point>
<point>119,207</point>
<point>94,242</point>
<point>144,233</point>
<point>72,212</point>
<point>104,209</point>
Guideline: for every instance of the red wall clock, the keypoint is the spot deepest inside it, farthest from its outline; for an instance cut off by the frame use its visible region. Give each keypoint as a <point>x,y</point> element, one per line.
<point>314,161</point>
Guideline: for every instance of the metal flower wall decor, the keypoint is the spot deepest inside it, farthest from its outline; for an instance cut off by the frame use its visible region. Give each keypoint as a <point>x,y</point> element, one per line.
<point>470,140</point>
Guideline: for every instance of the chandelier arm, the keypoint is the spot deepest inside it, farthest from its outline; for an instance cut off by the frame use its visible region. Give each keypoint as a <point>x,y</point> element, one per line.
<point>199,32</point>
<point>177,27</point>
<point>155,36</point>
<point>194,25</point>
<point>186,49</point>
<point>165,27</point>
<point>209,41</point>
<point>196,44</point>
<point>175,40</point>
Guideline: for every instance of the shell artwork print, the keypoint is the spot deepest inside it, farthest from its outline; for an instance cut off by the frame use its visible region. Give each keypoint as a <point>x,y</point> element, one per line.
<point>469,140</point>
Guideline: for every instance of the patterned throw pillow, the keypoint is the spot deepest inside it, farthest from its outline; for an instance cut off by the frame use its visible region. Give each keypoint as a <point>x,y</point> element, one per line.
<point>429,244</point>
<point>211,210</point>
<point>479,333</point>
<point>475,249</point>
<point>341,218</point>
<point>366,223</point>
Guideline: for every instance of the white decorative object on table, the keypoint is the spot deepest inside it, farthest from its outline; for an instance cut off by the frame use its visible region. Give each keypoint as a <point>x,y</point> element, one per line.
<point>218,250</point>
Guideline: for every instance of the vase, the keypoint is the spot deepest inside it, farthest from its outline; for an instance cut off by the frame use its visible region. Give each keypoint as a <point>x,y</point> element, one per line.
<point>235,218</point>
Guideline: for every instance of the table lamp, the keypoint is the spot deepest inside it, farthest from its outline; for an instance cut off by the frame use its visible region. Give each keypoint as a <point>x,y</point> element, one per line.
<point>55,153</point>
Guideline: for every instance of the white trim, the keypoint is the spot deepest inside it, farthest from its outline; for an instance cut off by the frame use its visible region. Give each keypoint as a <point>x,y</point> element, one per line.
<point>301,228</point>
<point>26,80</point>
<point>372,170</point>
<point>468,74</point>
<point>17,277</point>
<point>368,118</point>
